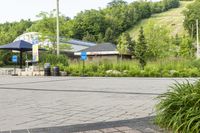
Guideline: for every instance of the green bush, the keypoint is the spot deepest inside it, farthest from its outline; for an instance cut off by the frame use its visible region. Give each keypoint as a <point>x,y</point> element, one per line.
<point>195,63</point>
<point>54,59</point>
<point>134,72</point>
<point>94,68</point>
<point>194,72</point>
<point>5,58</point>
<point>172,67</point>
<point>179,109</point>
<point>1,63</point>
<point>61,66</point>
<point>152,71</point>
<point>185,72</point>
<point>165,73</point>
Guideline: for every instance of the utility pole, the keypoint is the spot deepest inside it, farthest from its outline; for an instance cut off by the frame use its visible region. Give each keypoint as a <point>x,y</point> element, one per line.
<point>197,28</point>
<point>58,38</point>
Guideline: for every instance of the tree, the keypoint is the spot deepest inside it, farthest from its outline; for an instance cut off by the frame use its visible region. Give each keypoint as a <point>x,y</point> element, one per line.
<point>46,26</point>
<point>191,14</point>
<point>176,40</point>
<point>89,37</point>
<point>115,3</point>
<point>109,35</point>
<point>116,16</point>
<point>115,19</point>
<point>125,44</point>
<point>141,49</point>
<point>145,9</point>
<point>91,21</point>
<point>158,40</point>
<point>10,31</point>
<point>122,45</point>
<point>100,38</point>
<point>131,43</point>
<point>186,48</point>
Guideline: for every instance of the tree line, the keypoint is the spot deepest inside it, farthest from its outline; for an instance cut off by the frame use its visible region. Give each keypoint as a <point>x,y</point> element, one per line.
<point>9,31</point>
<point>103,25</point>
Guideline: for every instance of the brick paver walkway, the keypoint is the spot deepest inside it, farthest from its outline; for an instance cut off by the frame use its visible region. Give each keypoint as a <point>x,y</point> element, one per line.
<point>59,103</point>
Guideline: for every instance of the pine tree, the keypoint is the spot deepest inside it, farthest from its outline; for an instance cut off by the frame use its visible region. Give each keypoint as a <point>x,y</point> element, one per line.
<point>141,49</point>
<point>186,48</point>
<point>130,44</point>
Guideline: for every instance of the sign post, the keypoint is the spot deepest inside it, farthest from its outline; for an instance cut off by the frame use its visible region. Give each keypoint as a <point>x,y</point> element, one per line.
<point>35,53</point>
<point>83,58</point>
<point>14,60</point>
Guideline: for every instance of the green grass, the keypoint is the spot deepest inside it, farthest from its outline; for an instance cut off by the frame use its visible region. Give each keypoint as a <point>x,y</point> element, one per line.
<point>172,19</point>
<point>179,109</point>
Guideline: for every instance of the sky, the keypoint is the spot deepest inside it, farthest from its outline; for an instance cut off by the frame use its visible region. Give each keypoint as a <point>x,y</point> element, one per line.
<point>15,10</point>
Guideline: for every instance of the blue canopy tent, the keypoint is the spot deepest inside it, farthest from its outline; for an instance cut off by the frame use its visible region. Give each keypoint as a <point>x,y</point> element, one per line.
<point>20,46</point>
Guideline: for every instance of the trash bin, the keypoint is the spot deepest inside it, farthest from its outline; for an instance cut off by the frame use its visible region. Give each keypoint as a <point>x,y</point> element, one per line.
<point>56,71</point>
<point>47,69</point>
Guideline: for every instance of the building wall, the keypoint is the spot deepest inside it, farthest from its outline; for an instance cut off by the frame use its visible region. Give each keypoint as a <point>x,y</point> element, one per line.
<point>104,57</point>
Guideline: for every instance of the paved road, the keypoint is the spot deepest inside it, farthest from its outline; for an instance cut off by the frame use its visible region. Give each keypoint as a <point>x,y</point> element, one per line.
<point>69,104</point>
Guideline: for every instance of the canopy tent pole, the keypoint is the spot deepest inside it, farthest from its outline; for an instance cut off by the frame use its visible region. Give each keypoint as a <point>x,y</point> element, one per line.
<point>20,59</point>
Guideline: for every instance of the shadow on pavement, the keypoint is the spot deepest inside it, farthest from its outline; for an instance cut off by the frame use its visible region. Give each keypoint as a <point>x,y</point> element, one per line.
<point>139,125</point>
<point>79,91</point>
<point>43,81</point>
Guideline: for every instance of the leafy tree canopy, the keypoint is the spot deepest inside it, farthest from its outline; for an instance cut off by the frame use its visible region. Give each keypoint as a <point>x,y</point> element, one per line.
<point>191,15</point>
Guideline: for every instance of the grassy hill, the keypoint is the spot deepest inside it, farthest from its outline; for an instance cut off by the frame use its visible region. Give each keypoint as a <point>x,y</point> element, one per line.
<point>172,19</point>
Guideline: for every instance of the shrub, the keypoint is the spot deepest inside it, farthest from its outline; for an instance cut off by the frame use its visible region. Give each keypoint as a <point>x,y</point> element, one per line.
<point>54,59</point>
<point>5,58</point>
<point>179,108</point>
<point>193,72</point>
<point>170,67</point>
<point>134,72</point>
<point>195,63</point>
<point>61,66</point>
<point>152,71</point>
<point>165,73</point>
<point>94,68</point>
